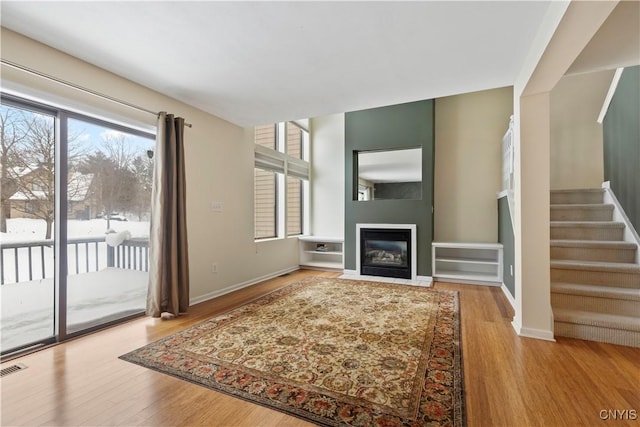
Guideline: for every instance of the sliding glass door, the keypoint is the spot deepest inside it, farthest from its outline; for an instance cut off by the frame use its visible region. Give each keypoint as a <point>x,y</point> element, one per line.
<point>74,223</point>
<point>109,173</point>
<point>27,199</point>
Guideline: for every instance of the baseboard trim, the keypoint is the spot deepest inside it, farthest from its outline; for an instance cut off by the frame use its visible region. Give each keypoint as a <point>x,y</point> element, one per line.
<point>232,288</point>
<point>425,279</point>
<point>350,272</point>
<point>539,334</point>
<point>507,294</point>
<point>467,282</point>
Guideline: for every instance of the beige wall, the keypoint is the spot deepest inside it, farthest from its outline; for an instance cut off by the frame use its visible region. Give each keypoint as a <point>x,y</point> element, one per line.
<point>219,164</point>
<point>468,164</point>
<point>576,136</point>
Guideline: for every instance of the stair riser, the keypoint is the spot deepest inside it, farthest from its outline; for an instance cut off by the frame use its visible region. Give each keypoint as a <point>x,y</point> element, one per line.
<point>579,214</point>
<point>595,333</point>
<point>596,304</point>
<point>584,233</point>
<point>593,254</point>
<point>582,198</point>
<point>603,278</point>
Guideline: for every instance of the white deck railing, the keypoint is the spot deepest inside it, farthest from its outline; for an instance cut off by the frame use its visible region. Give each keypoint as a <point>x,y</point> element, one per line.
<point>33,260</point>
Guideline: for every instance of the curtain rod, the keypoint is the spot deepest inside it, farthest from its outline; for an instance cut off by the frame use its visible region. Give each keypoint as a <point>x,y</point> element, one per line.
<point>81,88</point>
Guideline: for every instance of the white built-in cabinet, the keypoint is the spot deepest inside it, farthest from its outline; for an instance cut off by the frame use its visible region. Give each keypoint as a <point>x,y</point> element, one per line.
<point>479,263</point>
<point>321,252</point>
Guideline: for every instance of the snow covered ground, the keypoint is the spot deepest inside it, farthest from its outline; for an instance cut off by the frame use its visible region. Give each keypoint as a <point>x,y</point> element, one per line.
<point>95,296</point>
<point>26,230</point>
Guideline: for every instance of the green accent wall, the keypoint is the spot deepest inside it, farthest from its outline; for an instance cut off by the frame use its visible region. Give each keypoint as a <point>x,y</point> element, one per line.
<point>621,134</point>
<point>506,237</point>
<point>408,125</point>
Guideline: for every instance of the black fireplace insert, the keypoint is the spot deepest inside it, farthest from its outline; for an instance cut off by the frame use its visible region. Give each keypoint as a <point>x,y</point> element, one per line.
<point>385,252</point>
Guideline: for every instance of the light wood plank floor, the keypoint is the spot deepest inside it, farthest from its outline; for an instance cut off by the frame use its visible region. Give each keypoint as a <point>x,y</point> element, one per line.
<point>509,381</point>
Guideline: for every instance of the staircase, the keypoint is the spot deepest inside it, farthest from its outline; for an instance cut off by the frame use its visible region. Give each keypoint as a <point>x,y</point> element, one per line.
<point>595,278</point>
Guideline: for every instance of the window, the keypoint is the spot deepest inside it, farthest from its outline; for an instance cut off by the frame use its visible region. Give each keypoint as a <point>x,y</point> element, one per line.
<point>294,206</point>
<point>265,185</point>
<point>30,207</point>
<point>295,139</point>
<point>281,177</point>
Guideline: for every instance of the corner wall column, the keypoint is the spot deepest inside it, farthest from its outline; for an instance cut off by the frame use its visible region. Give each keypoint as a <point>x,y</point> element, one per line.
<point>534,317</point>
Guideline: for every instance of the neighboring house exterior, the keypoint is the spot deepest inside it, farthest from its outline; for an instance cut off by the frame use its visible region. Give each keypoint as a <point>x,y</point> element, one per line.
<point>33,196</point>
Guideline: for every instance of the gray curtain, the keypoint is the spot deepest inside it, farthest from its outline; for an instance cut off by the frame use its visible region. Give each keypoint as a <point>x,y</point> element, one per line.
<point>168,254</point>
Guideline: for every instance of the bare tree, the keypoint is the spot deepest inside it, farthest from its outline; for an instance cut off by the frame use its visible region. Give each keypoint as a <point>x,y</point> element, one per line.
<point>119,179</point>
<point>34,170</point>
<point>12,134</point>
<point>28,167</point>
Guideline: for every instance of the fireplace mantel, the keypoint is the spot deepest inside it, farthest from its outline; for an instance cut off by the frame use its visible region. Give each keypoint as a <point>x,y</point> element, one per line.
<point>414,251</point>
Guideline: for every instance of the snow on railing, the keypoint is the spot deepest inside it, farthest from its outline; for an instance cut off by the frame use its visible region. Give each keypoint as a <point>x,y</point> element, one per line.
<point>33,260</point>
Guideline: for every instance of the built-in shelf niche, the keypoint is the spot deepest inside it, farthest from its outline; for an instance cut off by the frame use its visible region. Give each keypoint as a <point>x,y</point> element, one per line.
<point>478,263</point>
<point>321,252</point>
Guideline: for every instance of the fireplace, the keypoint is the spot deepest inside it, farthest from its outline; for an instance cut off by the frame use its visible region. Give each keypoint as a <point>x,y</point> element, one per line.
<point>387,252</point>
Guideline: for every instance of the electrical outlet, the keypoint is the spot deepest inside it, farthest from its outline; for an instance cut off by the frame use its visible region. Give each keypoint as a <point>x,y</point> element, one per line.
<point>214,267</point>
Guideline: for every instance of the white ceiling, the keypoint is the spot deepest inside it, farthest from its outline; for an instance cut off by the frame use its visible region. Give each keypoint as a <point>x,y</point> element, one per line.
<point>261,62</point>
<point>622,31</point>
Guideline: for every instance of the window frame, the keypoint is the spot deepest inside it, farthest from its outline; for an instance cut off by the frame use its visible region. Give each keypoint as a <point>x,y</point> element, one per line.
<point>285,167</point>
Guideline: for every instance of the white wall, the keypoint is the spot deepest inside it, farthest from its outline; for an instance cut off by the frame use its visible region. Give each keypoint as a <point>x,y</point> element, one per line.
<point>327,180</point>
<point>219,165</point>
<point>576,136</point>
<point>468,164</point>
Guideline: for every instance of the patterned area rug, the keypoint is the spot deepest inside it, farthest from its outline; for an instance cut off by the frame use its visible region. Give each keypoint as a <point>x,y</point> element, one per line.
<point>331,351</point>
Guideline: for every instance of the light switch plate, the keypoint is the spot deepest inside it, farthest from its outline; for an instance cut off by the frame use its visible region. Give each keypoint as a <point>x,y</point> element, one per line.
<point>217,206</point>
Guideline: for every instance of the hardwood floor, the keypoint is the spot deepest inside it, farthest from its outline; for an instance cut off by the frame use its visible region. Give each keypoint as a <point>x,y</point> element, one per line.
<point>509,381</point>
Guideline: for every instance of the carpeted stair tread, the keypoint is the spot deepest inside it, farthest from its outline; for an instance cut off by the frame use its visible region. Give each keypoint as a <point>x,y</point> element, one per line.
<point>594,206</point>
<point>602,320</point>
<point>596,291</point>
<point>581,212</point>
<point>587,230</point>
<point>596,244</point>
<point>588,224</point>
<point>578,190</point>
<point>590,195</point>
<point>613,267</point>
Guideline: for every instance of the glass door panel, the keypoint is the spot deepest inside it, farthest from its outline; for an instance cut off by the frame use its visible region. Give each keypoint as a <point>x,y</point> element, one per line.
<point>27,205</point>
<point>108,212</point>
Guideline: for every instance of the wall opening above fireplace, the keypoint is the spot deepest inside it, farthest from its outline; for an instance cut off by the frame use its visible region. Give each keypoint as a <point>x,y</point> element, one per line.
<point>386,250</point>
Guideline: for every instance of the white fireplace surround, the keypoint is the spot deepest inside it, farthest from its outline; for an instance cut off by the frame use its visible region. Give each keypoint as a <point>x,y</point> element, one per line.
<point>414,246</point>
